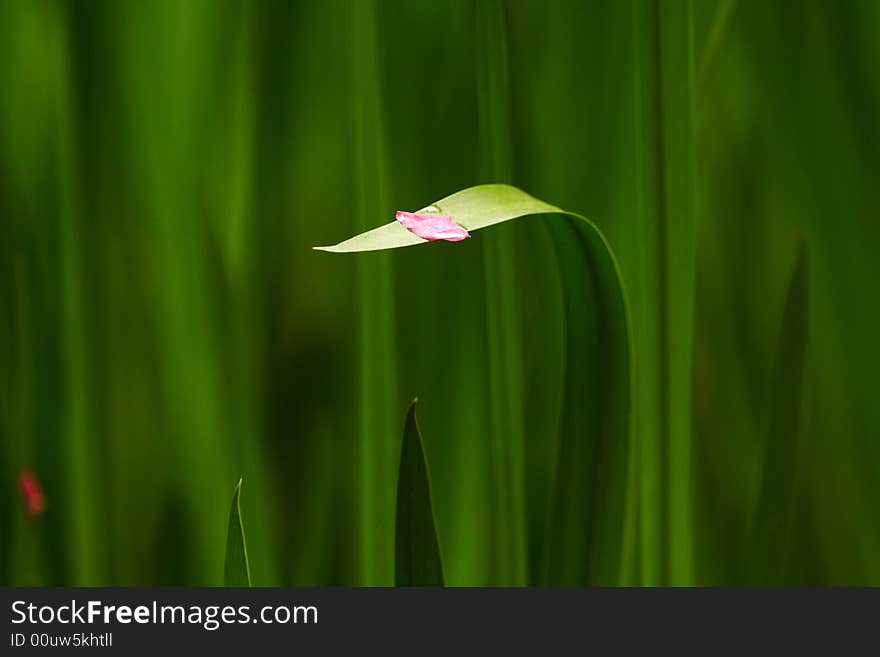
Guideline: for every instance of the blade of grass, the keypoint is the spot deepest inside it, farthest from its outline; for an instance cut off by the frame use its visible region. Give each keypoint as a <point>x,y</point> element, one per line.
<point>236,568</point>
<point>417,560</point>
<point>85,530</point>
<point>377,379</point>
<point>675,109</point>
<point>474,208</point>
<point>237,238</point>
<point>586,529</point>
<point>774,513</point>
<point>503,339</point>
<point>663,306</point>
<point>574,141</point>
<point>646,300</point>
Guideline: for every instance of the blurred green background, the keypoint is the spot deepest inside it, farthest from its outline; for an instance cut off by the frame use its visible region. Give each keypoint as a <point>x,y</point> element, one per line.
<point>165,327</point>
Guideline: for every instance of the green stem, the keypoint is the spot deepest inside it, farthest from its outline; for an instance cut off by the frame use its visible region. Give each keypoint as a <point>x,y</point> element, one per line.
<point>377,378</point>
<point>663,303</point>
<point>646,294</point>
<point>505,383</point>
<point>83,526</point>
<point>676,72</point>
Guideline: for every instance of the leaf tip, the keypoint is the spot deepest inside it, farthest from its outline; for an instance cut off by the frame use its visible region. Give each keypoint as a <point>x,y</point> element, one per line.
<point>411,411</point>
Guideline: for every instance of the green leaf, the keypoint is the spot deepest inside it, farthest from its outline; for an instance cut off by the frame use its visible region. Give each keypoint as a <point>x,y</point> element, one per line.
<point>774,514</point>
<point>237,571</point>
<point>585,533</point>
<point>375,371</point>
<point>661,249</point>
<point>474,208</point>
<point>506,382</point>
<point>584,536</point>
<point>674,107</point>
<point>417,550</point>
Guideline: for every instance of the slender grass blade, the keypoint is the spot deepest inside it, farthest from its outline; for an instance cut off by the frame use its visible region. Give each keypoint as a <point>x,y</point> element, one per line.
<point>237,571</point>
<point>774,514</point>
<point>417,550</point>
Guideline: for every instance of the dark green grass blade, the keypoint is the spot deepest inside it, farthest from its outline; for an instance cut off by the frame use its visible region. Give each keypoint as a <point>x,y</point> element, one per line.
<point>586,524</point>
<point>376,370</point>
<point>585,532</point>
<point>774,514</point>
<point>678,236</point>
<point>504,334</point>
<point>237,571</point>
<point>662,270</point>
<point>417,551</point>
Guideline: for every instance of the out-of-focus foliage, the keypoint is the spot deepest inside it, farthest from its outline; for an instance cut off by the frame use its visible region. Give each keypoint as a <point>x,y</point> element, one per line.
<point>165,327</point>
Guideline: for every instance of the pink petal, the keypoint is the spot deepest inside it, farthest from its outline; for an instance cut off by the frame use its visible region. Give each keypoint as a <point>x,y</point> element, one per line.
<point>31,494</point>
<point>433,226</point>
